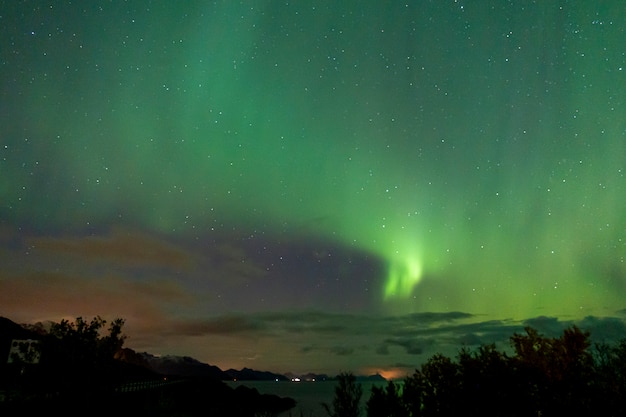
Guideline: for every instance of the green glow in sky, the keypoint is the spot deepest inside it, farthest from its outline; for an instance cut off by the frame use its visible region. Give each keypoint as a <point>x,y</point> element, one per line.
<point>404,275</point>
<point>477,153</point>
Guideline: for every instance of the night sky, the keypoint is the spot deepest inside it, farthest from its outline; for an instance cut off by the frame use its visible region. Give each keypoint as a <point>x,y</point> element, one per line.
<point>314,185</point>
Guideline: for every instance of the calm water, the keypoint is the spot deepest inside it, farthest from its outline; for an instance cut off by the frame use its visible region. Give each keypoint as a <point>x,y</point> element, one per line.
<point>309,395</point>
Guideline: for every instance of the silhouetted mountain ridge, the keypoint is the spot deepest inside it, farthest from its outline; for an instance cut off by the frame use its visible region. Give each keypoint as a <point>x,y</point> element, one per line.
<point>182,366</point>
<point>167,365</point>
<point>247,374</point>
<point>128,381</point>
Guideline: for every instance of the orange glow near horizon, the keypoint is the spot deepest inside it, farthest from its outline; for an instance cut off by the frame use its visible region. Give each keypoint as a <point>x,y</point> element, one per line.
<point>390,373</point>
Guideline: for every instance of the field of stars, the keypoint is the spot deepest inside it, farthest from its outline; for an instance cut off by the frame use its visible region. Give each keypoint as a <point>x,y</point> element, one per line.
<point>314,186</point>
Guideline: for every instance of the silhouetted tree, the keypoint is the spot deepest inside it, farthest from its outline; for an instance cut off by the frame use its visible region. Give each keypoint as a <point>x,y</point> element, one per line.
<point>554,374</point>
<point>548,376</point>
<point>413,393</point>
<point>347,400</point>
<point>610,377</point>
<point>77,357</point>
<point>385,402</point>
<point>76,370</point>
<point>485,381</point>
<point>442,385</point>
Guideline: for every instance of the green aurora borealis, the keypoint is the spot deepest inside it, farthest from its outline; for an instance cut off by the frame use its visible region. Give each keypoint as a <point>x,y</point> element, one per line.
<point>455,156</point>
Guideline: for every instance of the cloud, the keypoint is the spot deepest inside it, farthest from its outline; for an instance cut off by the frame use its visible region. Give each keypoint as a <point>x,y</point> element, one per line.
<point>382,349</point>
<point>232,262</point>
<point>224,325</point>
<point>120,248</point>
<point>155,312</point>
<point>396,330</point>
<point>416,334</point>
<point>308,349</point>
<point>342,350</point>
<point>402,365</point>
<point>412,346</point>
<point>431,318</point>
<point>601,329</point>
<point>550,326</point>
<point>470,339</point>
<point>604,329</point>
<point>232,275</point>
<point>44,295</point>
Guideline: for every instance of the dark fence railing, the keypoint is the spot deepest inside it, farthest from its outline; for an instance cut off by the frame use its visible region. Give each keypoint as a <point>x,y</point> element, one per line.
<point>145,385</point>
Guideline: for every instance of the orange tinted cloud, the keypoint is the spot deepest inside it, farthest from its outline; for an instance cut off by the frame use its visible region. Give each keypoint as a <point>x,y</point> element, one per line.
<point>41,296</point>
<point>133,249</point>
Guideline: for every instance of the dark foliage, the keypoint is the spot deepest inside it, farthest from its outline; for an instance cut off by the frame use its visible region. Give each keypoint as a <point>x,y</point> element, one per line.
<point>347,397</point>
<point>563,376</point>
<point>384,402</point>
<point>68,357</point>
<point>79,373</point>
